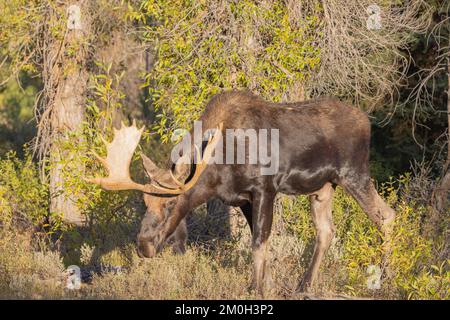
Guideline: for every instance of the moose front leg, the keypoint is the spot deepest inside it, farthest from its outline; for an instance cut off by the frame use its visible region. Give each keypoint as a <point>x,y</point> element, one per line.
<point>173,225</point>
<point>148,234</point>
<point>179,238</point>
<point>262,216</point>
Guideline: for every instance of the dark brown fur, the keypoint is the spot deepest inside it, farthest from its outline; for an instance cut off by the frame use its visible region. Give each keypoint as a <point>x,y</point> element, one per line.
<point>323,143</point>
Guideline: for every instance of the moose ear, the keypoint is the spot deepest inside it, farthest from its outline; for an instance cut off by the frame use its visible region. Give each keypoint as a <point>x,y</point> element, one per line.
<point>182,168</point>
<point>150,167</point>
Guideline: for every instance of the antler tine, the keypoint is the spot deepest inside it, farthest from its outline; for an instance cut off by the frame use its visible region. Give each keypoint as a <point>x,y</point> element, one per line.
<point>177,182</point>
<point>198,153</point>
<point>102,160</point>
<point>105,142</point>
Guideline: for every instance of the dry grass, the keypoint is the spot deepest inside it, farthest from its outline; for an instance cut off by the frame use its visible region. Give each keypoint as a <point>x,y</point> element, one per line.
<point>212,268</point>
<point>26,273</point>
<point>218,263</point>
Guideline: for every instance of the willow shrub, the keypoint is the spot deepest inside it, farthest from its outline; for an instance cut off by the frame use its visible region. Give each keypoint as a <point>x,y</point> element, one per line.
<point>23,199</point>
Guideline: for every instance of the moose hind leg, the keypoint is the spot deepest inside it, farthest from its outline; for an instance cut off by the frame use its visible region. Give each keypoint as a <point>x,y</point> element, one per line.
<point>364,192</point>
<point>321,211</point>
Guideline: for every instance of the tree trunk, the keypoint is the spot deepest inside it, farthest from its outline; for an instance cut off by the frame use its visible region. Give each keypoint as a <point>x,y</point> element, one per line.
<point>67,115</point>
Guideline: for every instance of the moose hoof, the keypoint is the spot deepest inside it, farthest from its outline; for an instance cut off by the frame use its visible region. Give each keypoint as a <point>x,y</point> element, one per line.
<point>258,290</point>
<point>263,288</point>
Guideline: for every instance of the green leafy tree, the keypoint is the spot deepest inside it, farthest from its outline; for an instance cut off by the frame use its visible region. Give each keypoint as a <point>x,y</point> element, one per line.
<point>58,42</point>
<point>203,47</point>
<point>281,50</point>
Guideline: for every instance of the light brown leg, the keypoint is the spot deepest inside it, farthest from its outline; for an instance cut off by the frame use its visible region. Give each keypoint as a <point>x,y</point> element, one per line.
<point>261,274</point>
<point>321,211</point>
<point>370,201</point>
<point>364,192</point>
<point>262,215</point>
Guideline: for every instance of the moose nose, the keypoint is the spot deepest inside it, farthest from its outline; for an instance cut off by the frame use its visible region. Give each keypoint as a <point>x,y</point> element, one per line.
<point>146,250</point>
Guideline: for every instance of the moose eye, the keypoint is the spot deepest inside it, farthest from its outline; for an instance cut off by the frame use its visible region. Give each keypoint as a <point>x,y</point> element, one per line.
<point>154,224</point>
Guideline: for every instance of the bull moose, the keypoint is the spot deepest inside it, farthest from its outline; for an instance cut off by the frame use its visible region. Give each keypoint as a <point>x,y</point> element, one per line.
<point>322,143</point>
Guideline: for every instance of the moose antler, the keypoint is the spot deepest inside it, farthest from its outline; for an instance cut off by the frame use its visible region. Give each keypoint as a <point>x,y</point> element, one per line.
<point>118,159</point>
<point>120,152</point>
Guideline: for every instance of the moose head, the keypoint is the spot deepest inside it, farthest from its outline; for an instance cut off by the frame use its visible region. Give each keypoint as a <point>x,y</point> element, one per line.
<point>162,193</point>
